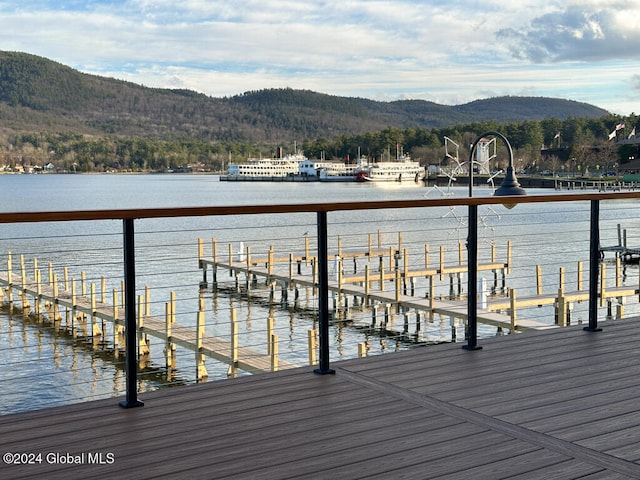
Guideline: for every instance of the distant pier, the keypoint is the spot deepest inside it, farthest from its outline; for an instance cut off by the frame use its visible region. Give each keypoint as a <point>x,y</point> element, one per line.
<point>269,178</point>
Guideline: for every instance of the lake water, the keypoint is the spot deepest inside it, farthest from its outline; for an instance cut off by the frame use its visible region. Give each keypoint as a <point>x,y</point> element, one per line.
<point>42,368</point>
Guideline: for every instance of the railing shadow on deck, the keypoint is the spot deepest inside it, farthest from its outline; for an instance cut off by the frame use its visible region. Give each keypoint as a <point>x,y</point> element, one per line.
<point>579,231</point>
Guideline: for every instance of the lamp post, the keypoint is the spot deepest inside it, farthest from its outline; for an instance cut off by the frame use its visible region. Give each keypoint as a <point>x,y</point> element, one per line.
<point>509,187</point>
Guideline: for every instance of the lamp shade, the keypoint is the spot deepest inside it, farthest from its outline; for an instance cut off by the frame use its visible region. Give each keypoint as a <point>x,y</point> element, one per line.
<point>510,185</point>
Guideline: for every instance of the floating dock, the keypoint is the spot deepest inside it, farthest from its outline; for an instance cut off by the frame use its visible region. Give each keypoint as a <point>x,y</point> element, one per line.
<point>384,265</point>
<point>86,313</point>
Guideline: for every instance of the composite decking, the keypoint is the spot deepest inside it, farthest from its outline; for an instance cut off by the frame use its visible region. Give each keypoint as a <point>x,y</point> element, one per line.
<point>554,404</point>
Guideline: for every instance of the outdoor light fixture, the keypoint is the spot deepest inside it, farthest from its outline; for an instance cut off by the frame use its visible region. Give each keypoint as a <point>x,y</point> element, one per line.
<point>510,186</point>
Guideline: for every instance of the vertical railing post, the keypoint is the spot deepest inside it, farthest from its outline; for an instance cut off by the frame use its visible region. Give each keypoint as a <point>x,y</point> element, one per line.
<point>594,264</point>
<point>131,349</point>
<point>323,294</point>
<point>472,274</point>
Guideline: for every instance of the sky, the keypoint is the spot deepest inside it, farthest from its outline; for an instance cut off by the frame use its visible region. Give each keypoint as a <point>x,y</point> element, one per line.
<point>449,52</point>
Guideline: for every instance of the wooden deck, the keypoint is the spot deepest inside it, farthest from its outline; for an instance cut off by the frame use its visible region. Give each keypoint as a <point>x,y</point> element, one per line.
<point>554,404</point>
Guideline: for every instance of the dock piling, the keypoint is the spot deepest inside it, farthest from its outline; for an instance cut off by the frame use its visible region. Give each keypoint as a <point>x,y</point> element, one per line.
<point>201,369</point>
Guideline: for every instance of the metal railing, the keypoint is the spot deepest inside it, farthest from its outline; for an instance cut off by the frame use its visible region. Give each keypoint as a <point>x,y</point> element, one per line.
<point>130,217</point>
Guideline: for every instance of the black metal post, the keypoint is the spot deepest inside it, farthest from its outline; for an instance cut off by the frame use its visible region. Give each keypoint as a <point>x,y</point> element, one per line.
<point>472,287</point>
<point>471,169</point>
<point>509,187</point>
<point>131,362</point>
<point>323,294</point>
<point>594,265</point>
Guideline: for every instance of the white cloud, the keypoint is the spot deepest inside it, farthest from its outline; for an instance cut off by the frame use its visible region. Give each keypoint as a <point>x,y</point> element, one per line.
<point>578,33</point>
<point>445,51</point>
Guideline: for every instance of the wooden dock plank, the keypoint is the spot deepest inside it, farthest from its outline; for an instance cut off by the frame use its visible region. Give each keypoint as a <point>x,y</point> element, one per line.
<point>500,312</point>
<point>452,309</point>
<point>352,286</point>
<point>550,299</point>
<point>219,349</point>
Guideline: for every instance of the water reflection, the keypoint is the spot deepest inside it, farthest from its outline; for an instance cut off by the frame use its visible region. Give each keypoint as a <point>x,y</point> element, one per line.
<point>45,366</point>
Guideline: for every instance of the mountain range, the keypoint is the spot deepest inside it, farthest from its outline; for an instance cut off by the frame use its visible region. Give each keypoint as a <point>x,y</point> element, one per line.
<point>38,94</point>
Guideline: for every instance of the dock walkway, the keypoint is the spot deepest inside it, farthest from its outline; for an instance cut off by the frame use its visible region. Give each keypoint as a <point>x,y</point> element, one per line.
<point>50,298</point>
<point>556,404</point>
<point>498,311</point>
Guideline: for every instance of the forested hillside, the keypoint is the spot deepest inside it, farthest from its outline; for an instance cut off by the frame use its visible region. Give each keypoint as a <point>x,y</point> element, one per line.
<point>53,115</point>
<point>38,94</point>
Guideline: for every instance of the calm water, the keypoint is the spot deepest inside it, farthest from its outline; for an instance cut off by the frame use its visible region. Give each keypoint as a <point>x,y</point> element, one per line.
<point>44,369</point>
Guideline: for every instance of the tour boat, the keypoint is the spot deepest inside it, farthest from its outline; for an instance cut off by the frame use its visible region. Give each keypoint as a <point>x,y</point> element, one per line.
<point>400,170</point>
<point>327,171</point>
<point>288,165</point>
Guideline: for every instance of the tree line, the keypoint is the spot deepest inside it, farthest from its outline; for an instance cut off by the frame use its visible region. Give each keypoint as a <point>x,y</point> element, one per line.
<point>586,141</point>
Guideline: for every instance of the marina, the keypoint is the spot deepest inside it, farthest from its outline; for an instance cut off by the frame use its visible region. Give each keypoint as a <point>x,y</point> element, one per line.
<point>554,400</point>
<point>82,310</point>
<point>394,310</point>
<point>499,304</point>
<point>298,168</point>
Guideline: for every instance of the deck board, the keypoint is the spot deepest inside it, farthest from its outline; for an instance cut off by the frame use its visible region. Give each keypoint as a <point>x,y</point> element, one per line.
<point>558,404</point>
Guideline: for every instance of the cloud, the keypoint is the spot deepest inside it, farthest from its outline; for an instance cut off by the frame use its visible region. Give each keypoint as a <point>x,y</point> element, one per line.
<point>635,83</point>
<point>579,33</point>
<point>451,51</point>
